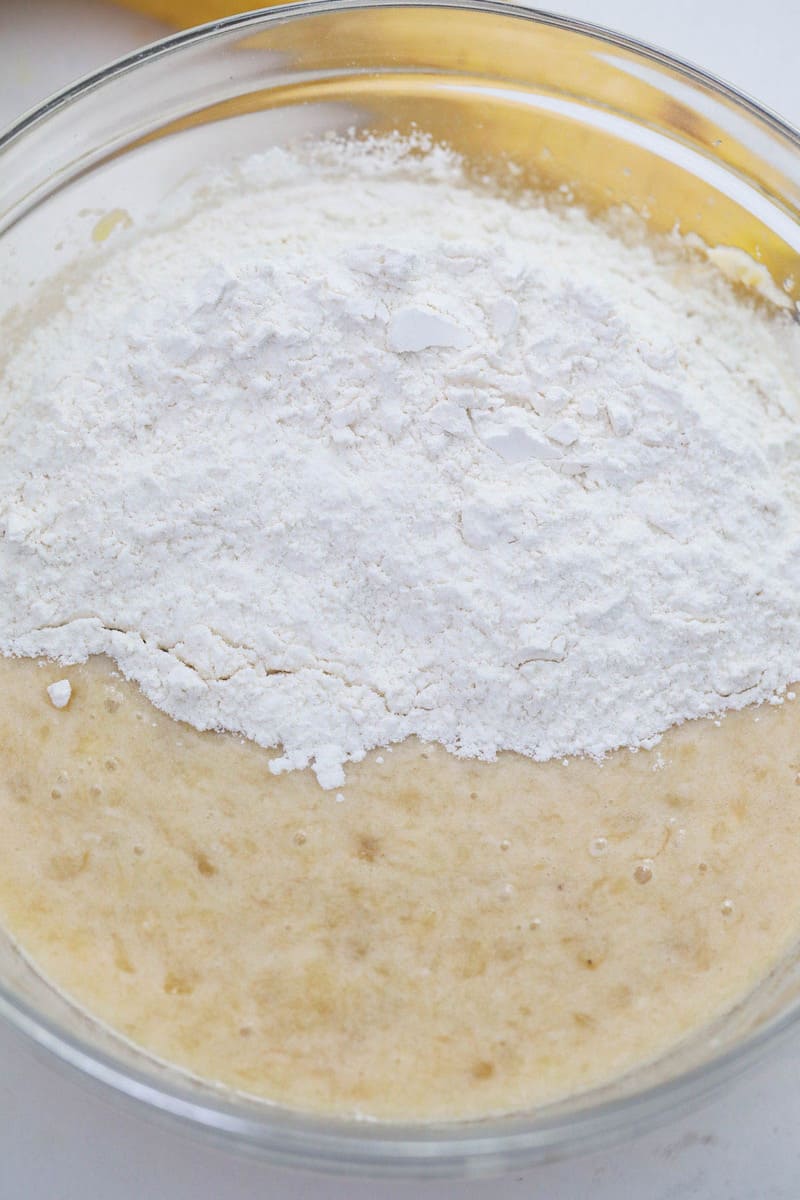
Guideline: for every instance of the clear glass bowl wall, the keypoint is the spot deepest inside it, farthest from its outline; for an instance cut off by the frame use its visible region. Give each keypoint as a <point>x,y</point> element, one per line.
<point>601,118</point>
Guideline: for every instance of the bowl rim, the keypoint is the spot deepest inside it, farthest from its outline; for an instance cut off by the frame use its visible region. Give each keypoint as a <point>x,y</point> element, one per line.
<point>174,42</point>
<point>347,1145</point>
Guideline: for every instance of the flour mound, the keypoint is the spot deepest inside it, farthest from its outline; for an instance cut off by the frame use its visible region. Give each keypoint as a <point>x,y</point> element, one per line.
<point>358,451</point>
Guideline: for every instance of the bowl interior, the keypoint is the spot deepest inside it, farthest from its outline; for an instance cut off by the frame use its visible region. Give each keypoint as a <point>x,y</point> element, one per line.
<point>577,112</point>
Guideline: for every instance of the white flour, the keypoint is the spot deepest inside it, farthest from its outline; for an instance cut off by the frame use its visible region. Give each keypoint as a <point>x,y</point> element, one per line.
<point>363,452</point>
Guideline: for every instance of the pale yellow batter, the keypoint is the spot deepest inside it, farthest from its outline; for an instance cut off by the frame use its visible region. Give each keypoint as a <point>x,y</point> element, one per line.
<point>443,938</point>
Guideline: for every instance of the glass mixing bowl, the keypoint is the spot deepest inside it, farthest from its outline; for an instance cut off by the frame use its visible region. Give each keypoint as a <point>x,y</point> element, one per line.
<point>594,115</point>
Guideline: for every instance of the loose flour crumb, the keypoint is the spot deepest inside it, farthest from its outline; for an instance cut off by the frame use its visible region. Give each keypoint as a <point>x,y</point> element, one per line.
<point>60,693</point>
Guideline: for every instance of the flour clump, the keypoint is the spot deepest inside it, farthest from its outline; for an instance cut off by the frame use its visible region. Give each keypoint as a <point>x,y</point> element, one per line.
<point>440,463</point>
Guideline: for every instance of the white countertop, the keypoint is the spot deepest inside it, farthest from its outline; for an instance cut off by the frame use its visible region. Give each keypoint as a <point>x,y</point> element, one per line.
<point>61,1142</point>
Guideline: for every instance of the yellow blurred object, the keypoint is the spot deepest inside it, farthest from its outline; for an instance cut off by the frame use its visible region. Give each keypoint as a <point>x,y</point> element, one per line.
<point>184,13</point>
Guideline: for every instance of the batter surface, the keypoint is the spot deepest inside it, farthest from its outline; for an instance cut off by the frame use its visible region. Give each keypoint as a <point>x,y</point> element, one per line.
<point>441,938</point>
